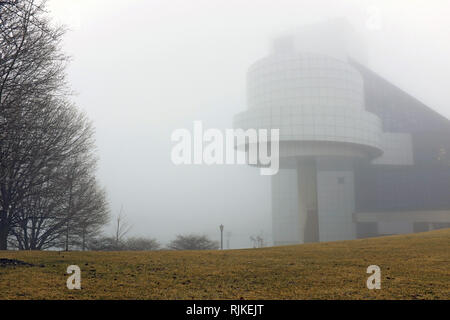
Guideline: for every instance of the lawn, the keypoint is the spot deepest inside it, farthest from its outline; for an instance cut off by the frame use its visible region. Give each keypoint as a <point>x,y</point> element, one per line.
<point>415,266</point>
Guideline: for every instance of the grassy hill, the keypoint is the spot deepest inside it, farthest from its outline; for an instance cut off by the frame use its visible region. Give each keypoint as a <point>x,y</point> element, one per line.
<point>415,266</point>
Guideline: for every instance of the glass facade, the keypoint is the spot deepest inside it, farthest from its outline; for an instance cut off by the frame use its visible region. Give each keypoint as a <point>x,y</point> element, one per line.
<point>421,184</point>
<point>368,147</point>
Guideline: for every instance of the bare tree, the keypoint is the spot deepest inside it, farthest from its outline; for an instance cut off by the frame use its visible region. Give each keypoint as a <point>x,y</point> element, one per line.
<point>128,244</point>
<point>193,242</point>
<point>92,215</point>
<point>42,135</point>
<point>254,241</point>
<point>87,208</point>
<point>69,203</point>
<point>257,241</point>
<point>141,244</point>
<point>31,76</point>
<point>122,227</point>
<point>103,244</point>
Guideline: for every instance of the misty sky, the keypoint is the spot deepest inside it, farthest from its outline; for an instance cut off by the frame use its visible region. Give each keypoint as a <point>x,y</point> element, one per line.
<point>142,69</point>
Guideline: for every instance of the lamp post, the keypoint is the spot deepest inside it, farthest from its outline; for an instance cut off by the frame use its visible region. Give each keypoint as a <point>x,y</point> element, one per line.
<point>221,237</point>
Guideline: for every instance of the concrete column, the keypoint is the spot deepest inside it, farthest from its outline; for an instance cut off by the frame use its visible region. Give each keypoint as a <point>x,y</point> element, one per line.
<point>307,197</point>
<point>336,199</point>
<point>285,208</point>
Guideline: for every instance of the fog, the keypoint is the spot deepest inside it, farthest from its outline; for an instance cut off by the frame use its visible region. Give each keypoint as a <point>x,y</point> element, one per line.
<point>142,69</point>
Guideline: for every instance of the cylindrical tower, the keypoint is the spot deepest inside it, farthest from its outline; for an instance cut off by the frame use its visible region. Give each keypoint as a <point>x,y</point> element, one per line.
<point>307,89</point>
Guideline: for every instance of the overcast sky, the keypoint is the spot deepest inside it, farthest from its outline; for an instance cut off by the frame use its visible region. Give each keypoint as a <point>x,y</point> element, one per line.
<point>142,69</point>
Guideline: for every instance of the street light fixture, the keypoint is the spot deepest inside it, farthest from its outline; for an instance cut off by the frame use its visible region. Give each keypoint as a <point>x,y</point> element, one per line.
<point>221,237</point>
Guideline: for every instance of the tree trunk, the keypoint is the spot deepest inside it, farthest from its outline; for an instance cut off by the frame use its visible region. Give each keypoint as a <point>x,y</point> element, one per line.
<point>3,235</point>
<point>67,237</point>
<point>84,241</point>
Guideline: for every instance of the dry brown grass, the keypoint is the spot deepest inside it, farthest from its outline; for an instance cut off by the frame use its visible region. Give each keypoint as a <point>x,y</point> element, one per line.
<point>412,266</point>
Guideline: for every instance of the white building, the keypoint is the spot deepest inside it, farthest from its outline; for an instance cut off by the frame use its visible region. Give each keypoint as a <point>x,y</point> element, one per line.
<point>314,88</point>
